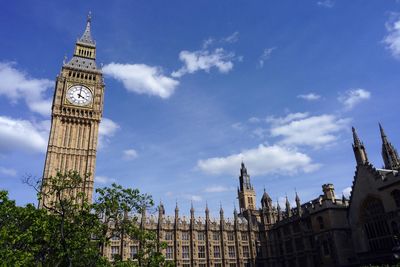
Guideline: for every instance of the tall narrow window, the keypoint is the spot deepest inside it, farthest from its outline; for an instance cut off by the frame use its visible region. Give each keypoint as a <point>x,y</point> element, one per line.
<point>320,221</point>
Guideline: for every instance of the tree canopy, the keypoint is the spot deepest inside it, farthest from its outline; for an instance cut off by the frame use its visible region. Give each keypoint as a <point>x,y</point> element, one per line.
<point>68,230</point>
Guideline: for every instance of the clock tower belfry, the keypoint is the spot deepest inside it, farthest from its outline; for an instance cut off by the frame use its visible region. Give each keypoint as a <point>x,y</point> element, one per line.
<point>76,113</point>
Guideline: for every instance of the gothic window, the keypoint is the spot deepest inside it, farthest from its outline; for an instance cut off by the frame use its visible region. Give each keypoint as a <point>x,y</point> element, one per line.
<point>185,236</point>
<point>325,247</point>
<point>216,236</point>
<point>134,251</point>
<point>231,236</point>
<point>231,252</point>
<point>169,254</point>
<point>185,252</point>
<point>169,236</point>
<point>244,236</point>
<point>202,252</point>
<point>217,265</point>
<point>232,264</point>
<point>375,225</point>
<point>396,197</point>
<point>217,252</point>
<point>320,222</point>
<point>114,250</point>
<point>201,236</point>
<point>246,252</point>
<point>395,228</point>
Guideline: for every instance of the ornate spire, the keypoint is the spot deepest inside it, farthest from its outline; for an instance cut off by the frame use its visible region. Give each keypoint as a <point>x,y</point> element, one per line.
<point>359,150</point>
<point>389,153</point>
<point>288,209</point>
<point>298,204</point>
<point>278,210</point>
<point>87,36</point>
<point>191,207</point>
<point>221,211</point>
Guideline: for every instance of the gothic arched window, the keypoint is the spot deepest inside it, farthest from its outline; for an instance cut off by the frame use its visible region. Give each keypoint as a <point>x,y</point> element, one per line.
<point>320,221</point>
<point>396,197</point>
<point>375,225</point>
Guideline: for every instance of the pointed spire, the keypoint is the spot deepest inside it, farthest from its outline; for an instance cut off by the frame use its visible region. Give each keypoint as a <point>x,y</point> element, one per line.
<point>191,208</point>
<point>389,153</point>
<point>356,140</point>
<point>278,210</point>
<point>359,150</point>
<point>288,209</point>
<point>221,210</point>
<point>298,204</point>
<point>87,36</point>
<point>176,207</point>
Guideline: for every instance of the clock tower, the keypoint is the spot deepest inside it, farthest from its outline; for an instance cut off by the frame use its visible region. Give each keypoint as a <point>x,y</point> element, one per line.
<point>76,113</point>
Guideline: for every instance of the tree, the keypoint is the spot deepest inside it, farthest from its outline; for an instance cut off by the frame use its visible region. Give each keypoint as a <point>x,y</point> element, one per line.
<point>69,231</point>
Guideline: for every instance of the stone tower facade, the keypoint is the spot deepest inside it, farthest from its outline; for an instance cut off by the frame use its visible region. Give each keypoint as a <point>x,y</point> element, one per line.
<point>76,113</point>
<point>246,193</point>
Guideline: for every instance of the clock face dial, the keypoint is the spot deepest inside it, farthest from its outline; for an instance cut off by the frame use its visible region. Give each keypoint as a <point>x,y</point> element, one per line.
<point>79,95</point>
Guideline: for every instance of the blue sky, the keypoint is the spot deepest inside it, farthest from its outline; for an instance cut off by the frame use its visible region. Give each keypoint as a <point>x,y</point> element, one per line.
<point>194,87</point>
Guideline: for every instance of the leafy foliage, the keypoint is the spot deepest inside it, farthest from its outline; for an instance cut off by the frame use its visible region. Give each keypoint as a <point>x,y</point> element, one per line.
<point>70,231</point>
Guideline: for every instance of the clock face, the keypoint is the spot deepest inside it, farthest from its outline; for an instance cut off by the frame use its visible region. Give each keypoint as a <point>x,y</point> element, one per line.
<point>79,95</point>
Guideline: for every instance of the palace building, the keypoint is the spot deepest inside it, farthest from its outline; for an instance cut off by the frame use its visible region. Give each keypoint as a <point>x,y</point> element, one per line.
<point>325,231</point>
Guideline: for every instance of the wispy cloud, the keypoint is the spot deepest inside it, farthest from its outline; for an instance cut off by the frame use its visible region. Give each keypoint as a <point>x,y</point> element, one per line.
<point>103,180</point>
<point>326,3</point>
<point>130,154</point>
<point>218,189</point>
<point>347,192</point>
<point>107,129</point>
<point>17,85</point>
<point>266,54</point>
<point>18,134</point>
<point>392,39</point>
<point>299,129</point>
<point>142,79</point>
<point>261,160</point>
<point>309,97</point>
<point>204,60</point>
<point>8,171</point>
<point>233,38</point>
<point>352,97</point>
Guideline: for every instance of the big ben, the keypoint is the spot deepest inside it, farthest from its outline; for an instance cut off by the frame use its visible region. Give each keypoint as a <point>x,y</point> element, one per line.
<point>76,113</point>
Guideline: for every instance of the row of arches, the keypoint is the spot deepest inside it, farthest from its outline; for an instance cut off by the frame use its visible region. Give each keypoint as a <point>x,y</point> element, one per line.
<point>85,76</point>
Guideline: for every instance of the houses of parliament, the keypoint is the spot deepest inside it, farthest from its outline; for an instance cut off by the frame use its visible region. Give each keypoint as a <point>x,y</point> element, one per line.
<point>325,231</point>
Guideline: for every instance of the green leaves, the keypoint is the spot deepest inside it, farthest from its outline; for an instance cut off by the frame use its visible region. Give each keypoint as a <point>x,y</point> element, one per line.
<point>70,231</point>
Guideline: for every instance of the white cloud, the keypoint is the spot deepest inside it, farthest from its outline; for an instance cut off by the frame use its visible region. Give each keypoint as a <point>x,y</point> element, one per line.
<point>195,198</point>
<point>265,55</point>
<point>142,79</point>
<point>353,97</point>
<point>392,39</point>
<point>16,134</point>
<point>107,129</point>
<point>347,192</point>
<point>103,180</point>
<point>326,3</point>
<point>204,60</point>
<point>288,118</point>
<point>254,120</point>
<point>309,97</point>
<point>130,154</point>
<point>8,172</point>
<point>233,38</point>
<point>238,126</point>
<point>17,85</point>
<point>218,189</point>
<point>261,160</point>
<point>315,131</point>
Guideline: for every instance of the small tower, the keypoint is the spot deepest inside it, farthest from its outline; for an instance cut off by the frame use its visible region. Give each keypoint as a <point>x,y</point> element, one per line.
<point>176,213</point>
<point>246,193</point>
<point>279,212</point>
<point>191,211</point>
<point>329,191</point>
<point>298,205</point>
<point>359,150</point>
<point>267,208</point>
<point>389,153</point>
<point>288,209</point>
<point>207,212</point>
<point>161,212</point>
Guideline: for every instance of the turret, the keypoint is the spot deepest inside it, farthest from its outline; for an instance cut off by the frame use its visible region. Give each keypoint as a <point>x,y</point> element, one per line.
<point>359,150</point>
<point>288,209</point>
<point>278,209</point>
<point>298,205</point>
<point>246,193</point>
<point>176,212</point>
<point>329,191</point>
<point>389,153</point>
